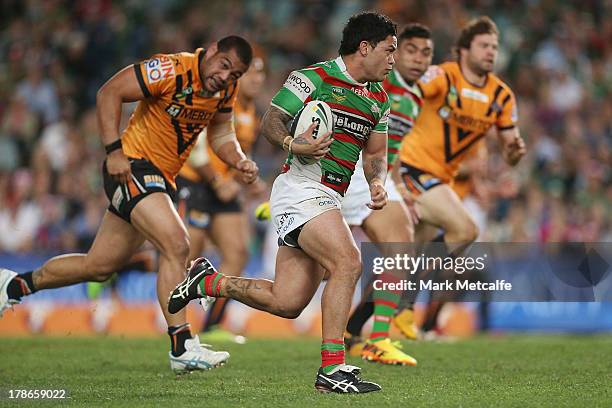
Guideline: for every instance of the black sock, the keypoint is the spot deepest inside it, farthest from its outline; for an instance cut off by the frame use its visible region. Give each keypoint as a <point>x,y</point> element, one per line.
<point>178,335</point>
<point>431,319</point>
<point>21,285</point>
<point>359,317</point>
<point>215,314</point>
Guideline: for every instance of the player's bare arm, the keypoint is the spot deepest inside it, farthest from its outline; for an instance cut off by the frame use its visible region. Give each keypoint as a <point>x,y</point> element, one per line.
<point>122,87</point>
<point>375,168</point>
<point>274,128</point>
<point>513,145</point>
<point>222,137</point>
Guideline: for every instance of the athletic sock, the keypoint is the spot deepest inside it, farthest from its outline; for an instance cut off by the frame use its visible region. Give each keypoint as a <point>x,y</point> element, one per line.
<point>431,318</point>
<point>359,317</point>
<point>178,336</point>
<point>385,304</point>
<point>332,354</point>
<point>211,285</point>
<point>215,314</point>
<point>21,285</point>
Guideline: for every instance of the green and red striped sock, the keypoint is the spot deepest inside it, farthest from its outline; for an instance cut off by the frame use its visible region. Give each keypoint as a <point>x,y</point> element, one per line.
<point>385,305</point>
<point>211,285</point>
<point>332,354</point>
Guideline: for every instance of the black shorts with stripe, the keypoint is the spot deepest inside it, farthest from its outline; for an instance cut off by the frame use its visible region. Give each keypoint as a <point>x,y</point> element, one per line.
<point>418,181</point>
<point>146,179</point>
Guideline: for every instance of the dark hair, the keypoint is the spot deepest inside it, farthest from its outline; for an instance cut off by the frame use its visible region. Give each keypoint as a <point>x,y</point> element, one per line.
<point>240,45</point>
<point>415,30</point>
<point>367,26</point>
<point>477,26</point>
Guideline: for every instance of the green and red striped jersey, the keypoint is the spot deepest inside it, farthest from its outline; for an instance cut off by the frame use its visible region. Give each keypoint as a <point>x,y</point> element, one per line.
<point>358,109</point>
<point>406,102</point>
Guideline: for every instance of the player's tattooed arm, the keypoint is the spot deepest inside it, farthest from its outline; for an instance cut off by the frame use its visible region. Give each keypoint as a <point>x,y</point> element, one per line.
<point>274,125</point>
<point>375,158</point>
<point>375,168</point>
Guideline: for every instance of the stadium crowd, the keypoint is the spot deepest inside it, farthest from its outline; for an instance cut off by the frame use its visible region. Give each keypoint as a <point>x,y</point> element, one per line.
<point>54,55</point>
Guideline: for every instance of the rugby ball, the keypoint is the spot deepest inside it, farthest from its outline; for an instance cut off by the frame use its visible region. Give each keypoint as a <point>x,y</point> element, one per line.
<point>317,112</point>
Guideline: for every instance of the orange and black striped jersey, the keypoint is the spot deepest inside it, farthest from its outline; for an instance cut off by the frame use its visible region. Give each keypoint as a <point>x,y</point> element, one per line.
<point>455,115</point>
<point>176,108</point>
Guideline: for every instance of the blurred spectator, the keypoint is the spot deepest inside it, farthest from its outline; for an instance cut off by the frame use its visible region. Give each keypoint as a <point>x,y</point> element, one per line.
<point>39,93</point>
<point>19,215</point>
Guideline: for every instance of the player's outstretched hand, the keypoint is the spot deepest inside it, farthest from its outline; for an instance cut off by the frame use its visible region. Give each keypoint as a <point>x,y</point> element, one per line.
<point>248,170</point>
<point>516,150</point>
<point>305,145</point>
<point>118,166</point>
<point>378,194</point>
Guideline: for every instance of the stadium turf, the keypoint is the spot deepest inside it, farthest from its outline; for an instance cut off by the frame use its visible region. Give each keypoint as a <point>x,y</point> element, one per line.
<point>525,371</point>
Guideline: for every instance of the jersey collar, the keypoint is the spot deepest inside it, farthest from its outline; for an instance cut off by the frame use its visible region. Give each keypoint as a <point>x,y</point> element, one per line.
<point>403,82</point>
<point>340,62</point>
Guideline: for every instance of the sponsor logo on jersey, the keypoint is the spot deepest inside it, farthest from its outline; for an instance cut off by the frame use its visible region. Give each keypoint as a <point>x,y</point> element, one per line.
<point>338,94</point>
<point>333,178</point>
<point>361,91</point>
<point>178,111</point>
<point>184,93</point>
<point>159,68</point>
<point>154,180</point>
<point>174,109</point>
<point>385,116</point>
<point>473,94</point>
<point>351,123</point>
<point>464,122</point>
<point>444,112</point>
<point>375,108</point>
<point>398,125</point>
<point>299,85</point>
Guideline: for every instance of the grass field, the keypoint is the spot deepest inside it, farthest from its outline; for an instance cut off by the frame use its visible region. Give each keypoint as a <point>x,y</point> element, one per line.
<point>525,371</point>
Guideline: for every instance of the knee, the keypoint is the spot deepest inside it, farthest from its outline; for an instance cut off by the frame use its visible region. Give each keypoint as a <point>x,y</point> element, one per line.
<point>465,232</point>
<point>177,246</point>
<point>100,272</point>
<point>348,266</point>
<point>236,255</point>
<point>289,311</point>
<point>469,232</point>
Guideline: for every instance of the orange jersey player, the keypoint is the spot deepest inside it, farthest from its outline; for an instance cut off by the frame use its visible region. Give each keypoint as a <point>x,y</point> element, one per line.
<point>462,101</point>
<point>179,95</point>
<point>209,194</point>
